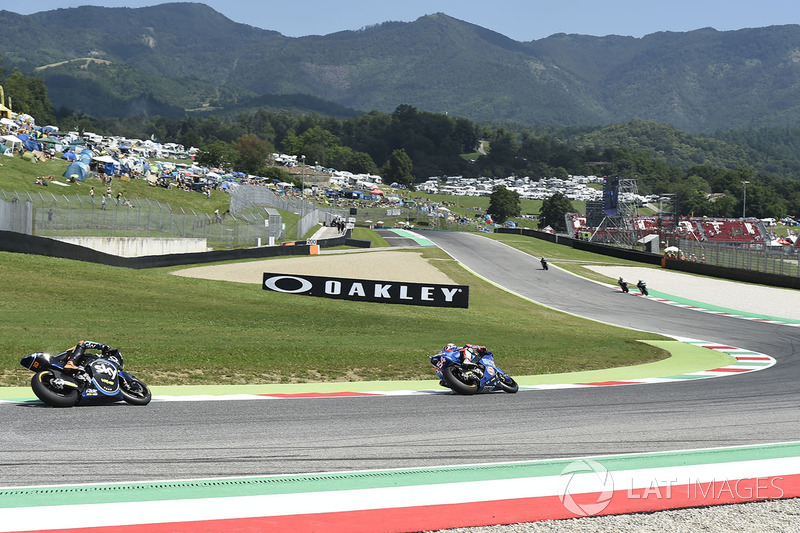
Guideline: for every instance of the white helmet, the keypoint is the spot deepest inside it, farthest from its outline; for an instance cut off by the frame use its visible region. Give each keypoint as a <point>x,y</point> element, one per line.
<point>449,346</point>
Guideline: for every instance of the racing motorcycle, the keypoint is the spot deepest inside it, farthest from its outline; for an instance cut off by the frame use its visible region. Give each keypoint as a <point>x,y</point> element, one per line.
<point>642,287</point>
<point>481,376</point>
<point>622,284</point>
<point>99,378</point>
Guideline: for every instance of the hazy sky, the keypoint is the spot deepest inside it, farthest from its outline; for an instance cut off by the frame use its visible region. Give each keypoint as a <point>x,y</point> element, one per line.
<point>523,20</point>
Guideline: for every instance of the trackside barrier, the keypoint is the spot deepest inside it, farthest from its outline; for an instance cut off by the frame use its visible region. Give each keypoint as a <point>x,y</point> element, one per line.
<point>358,243</point>
<point>11,241</point>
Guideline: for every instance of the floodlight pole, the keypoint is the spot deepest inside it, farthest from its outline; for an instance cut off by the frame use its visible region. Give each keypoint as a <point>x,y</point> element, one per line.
<point>744,198</point>
<point>303,187</point>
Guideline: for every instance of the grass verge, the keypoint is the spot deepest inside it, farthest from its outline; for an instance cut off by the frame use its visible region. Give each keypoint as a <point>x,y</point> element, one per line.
<point>176,330</point>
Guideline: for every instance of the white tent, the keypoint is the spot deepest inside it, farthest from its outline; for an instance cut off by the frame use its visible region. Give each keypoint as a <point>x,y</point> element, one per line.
<point>10,139</point>
<point>7,122</point>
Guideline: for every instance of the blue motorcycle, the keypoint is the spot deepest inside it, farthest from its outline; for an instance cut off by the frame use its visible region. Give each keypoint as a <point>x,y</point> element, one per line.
<point>99,379</point>
<point>471,378</point>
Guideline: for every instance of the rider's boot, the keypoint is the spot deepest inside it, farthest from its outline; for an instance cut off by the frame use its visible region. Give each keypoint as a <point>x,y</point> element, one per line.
<point>73,364</point>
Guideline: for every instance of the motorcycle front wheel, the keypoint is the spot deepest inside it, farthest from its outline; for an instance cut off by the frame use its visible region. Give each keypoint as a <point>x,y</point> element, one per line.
<point>508,385</point>
<point>457,381</point>
<point>46,388</point>
<point>134,391</point>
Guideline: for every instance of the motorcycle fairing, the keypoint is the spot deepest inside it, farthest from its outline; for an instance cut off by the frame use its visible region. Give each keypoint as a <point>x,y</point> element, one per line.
<point>105,376</point>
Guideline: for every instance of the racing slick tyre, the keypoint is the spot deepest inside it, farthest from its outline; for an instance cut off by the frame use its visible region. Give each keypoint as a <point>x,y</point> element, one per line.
<point>52,392</point>
<point>134,391</point>
<point>457,381</point>
<point>509,385</point>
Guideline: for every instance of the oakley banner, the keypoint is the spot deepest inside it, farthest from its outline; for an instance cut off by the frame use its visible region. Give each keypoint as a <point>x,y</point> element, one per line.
<point>368,290</point>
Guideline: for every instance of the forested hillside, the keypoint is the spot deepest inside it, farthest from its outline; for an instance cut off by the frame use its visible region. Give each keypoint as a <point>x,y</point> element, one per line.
<point>434,144</point>
<point>439,88</point>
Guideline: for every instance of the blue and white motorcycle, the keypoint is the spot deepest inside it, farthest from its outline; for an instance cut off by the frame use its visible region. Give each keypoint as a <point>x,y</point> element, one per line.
<point>482,375</point>
<point>99,379</point>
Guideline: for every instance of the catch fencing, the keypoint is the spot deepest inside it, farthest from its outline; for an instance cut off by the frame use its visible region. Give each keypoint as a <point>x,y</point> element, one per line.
<point>56,215</point>
<point>16,215</point>
<point>780,260</point>
<point>415,215</point>
<point>245,197</point>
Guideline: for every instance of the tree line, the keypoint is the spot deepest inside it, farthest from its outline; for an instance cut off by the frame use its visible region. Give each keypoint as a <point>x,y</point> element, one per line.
<point>410,146</point>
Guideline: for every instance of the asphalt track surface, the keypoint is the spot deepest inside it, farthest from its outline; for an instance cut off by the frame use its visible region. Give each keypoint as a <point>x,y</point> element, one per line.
<point>118,443</point>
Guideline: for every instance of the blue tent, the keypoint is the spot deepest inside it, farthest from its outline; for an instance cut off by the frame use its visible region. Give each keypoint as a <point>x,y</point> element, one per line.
<point>86,156</point>
<point>76,170</point>
<point>69,156</point>
<point>32,145</point>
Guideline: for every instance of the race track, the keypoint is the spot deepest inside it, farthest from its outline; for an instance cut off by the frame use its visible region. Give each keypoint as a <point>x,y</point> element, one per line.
<point>229,438</point>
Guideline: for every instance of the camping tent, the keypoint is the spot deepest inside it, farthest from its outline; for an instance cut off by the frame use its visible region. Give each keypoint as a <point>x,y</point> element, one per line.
<point>77,170</point>
<point>86,156</point>
<point>8,123</point>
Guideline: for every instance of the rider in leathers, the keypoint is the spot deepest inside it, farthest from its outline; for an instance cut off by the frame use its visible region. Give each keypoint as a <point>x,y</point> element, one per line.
<point>75,354</point>
<point>470,353</point>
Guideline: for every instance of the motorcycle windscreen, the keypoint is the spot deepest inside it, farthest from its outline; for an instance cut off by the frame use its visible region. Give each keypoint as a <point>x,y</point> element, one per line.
<point>105,376</point>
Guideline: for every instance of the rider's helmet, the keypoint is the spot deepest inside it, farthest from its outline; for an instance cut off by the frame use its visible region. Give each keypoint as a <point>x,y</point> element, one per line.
<point>449,347</point>
<point>114,355</point>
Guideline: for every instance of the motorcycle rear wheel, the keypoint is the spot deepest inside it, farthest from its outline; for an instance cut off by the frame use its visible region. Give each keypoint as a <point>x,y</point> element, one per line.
<point>135,392</point>
<point>509,385</point>
<point>454,378</point>
<point>51,394</point>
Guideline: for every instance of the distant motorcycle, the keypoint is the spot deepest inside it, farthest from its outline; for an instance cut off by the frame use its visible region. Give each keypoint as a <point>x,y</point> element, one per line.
<point>642,287</point>
<point>99,378</point>
<point>544,263</point>
<point>622,284</point>
<point>483,375</point>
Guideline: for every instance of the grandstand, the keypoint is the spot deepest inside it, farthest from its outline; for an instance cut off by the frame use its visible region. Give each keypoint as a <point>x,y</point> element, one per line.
<point>733,230</point>
<point>736,231</point>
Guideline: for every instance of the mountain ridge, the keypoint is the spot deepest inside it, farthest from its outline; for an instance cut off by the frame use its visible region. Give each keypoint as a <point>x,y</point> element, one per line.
<point>698,81</point>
